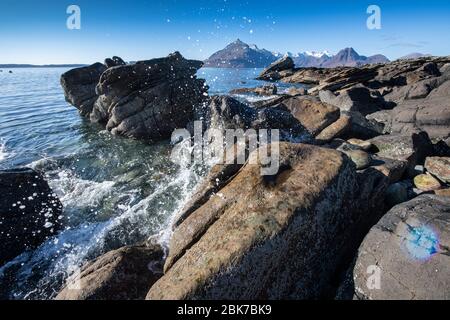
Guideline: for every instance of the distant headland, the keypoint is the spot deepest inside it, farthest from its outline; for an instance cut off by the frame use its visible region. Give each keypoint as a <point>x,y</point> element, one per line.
<point>12,66</point>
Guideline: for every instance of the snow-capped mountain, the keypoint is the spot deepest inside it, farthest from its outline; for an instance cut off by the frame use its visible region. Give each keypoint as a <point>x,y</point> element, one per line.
<point>241,55</point>
<point>318,54</point>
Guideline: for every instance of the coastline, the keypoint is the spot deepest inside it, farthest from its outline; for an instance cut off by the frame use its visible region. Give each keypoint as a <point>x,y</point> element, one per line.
<point>328,195</point>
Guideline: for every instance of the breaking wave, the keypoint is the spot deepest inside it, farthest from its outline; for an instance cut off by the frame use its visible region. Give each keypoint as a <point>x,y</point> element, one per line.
<point>91,230</point>
<point>3,153</point>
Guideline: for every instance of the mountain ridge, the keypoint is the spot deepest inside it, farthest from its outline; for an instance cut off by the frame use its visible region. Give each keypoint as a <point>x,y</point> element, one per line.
<point>239,54</point>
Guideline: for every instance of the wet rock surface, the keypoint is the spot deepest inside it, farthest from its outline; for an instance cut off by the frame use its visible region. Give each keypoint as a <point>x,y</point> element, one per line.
<point>306,209</point>
<point>224,112</point>
<point>123,274</point>
<point>79,86</point>
<point>30,212</point>
<point>145,100</point>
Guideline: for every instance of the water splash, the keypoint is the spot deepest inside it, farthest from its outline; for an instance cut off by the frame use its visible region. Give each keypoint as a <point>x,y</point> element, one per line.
<point>252,97</point>
<point>3,153</point>
<point>101,216</point>
<point>115,191</point>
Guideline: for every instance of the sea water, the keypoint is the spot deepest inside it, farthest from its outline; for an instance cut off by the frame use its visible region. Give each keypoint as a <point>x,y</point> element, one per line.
<point>115,191</point>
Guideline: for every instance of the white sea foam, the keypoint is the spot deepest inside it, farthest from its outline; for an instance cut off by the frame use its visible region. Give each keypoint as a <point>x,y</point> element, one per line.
<point>3,153</point>
<point>68,250</point>
<point>76,192</point>
<point>40,164</point>
<point>253,98</point>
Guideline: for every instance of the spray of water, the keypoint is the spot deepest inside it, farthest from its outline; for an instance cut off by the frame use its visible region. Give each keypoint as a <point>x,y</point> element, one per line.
<point>101,216</point>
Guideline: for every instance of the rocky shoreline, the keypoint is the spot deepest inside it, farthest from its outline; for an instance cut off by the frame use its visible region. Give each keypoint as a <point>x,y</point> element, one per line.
<point>363,184</point>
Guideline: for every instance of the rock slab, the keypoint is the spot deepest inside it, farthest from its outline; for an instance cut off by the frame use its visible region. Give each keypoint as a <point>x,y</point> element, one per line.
<point>410,248</point>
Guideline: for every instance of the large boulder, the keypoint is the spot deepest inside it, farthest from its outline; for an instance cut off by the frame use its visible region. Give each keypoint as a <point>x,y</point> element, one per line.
<point>30,212</point>
<point>272,72</point>
<point>79,86</point>
<point>123,274</point>
<point>335,130</point>
<point>357,98</point>
<point>431,114</point>
<point>224,112</point>
<point>264,236</point>
<point>228,113</point>
<point>145,100</point>
<point>420,105</point>
<point>412,149</point>
<point>311,113</point>
<point>406,255</point>
<point>114,62</point>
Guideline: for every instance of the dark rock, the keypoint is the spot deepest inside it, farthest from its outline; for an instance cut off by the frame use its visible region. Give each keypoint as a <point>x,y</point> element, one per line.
<point>79,86</point>
<point>228,113</point>
<point>357,98</point>
<point>311,76</point>
<point>391,168</point>
<point>145,100</point>
<point>225,112</point>
<point>269,102</point>
<point>344,78</point>
<point>114,61</point>
<point>396,193</point>
<point>123,274</point>
<point>30,212</point>
<point>362,127</point>
<point>410,148</point>
<point>441,149</point>
<point>409,245</point>
<point>278,118</point>
<point>360,158</point>
<point>272,71</point>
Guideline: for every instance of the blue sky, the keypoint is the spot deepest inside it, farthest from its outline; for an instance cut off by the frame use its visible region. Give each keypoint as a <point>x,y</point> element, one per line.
<point>35,31</point>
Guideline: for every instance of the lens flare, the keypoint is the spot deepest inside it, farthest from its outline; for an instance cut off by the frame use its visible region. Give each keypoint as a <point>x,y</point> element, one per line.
<point>422,242</point>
